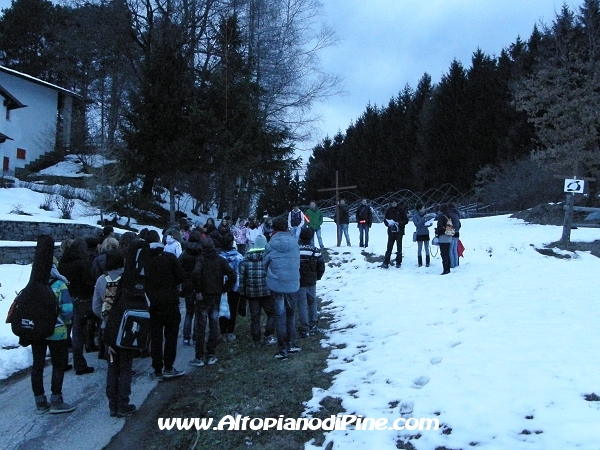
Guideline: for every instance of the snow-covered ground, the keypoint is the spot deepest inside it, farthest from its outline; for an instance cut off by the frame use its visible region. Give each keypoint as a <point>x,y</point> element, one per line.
<point>501,351</point>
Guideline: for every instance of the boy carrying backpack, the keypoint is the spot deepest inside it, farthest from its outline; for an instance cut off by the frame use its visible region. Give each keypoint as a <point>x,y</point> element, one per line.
<point>40,318</point>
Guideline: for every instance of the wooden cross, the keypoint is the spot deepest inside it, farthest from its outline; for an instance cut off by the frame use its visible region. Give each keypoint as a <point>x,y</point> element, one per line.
<point>337,202</point>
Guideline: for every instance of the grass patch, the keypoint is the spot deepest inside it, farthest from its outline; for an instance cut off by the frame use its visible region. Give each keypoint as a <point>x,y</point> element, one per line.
<point>249,382</point>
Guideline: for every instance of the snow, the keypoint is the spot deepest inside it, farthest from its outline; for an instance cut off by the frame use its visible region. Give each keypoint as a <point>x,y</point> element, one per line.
<point>507,342</point>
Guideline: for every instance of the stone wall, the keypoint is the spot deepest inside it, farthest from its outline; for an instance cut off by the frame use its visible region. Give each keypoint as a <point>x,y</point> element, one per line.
<point>29,231</point>
<point>21,255</point>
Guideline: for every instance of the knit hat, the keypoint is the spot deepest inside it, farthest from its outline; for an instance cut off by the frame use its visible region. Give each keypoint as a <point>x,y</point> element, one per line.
<point>260,241</point>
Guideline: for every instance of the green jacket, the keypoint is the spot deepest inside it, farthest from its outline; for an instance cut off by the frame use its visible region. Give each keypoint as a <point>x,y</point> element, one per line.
<point>315,216</point>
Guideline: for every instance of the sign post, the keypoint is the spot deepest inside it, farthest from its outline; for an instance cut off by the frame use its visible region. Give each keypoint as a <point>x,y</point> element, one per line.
<point>573,185</point>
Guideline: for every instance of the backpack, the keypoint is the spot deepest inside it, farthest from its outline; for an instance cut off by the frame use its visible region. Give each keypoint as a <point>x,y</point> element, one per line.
<point>449,227</point>
<point>128,324</point>
<point>35,312</point>
<point>308,267</point>
<point>109,294</point>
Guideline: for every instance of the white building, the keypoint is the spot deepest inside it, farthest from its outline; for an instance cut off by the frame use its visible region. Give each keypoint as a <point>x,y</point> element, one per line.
<point>29,120</point>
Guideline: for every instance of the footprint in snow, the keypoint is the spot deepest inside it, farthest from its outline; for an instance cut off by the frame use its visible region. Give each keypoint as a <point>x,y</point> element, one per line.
<point>435,360</point>
<point>454,344</point>
<point>419,382</point>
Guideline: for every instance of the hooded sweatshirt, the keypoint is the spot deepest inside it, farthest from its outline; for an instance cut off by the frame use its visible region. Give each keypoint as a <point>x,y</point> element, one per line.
<point>282,263</point>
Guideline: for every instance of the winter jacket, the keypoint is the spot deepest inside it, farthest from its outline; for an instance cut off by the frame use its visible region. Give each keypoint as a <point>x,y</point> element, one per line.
<point>65,310</point>
<point>209,273</point>
<point>100,290</point>
<point>282,262</point>
<point>267,230</point>
<point>163,274</point>
<point>342,216</point>
<point>312,264</point>
<point>187,260</point>
<point>454,214</point>
<point>241,235</point>
<point>420,220</point>
<point>364,215</point>
<point>234,258</point>
<point>398,215</point>
<point>77,269</point>
<point>252,233</point>
<point>315,217</point>
<point>173,246</point>
<point>98,265</point>
<point>295,219</point>
<point>253,276</point>
<point>440,229</point>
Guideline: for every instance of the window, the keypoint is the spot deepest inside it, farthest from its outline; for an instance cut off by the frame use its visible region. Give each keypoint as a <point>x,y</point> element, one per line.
<point>5,165</point>
<point>21,153</point>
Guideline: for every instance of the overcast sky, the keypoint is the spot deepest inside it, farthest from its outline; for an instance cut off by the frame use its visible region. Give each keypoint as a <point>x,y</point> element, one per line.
<point>386,44</point>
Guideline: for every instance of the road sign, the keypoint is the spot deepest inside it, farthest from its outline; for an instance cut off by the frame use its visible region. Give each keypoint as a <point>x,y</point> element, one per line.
<point>574,186</point>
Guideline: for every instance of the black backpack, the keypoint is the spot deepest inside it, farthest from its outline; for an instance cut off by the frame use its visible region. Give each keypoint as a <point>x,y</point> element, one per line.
<point>308,266</point>
<point>36,309</point>
<point>130,296</point>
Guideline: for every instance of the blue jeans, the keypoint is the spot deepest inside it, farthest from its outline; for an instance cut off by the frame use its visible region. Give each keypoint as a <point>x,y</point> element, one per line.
<point>363,228</point>
<point>256,305</point>
<point>318,234</point>
<point>343,228</point>
<point>454,253</point>
<point>307,307</point>
<point>207,311</point>
<point>285,319</point>
<point>296,231</point>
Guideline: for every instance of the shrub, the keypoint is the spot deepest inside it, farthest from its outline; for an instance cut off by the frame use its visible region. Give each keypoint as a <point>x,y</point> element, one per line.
<point>65,206</point>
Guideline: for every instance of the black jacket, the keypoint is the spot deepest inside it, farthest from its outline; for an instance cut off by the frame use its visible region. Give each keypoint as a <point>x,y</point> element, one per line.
<point>163,274</point>
<point>188,263</point>
<point>207,277</point>
<point>364,214</point>
<point>342,215</point>
<point>77,268</point>
<point>398,215</point>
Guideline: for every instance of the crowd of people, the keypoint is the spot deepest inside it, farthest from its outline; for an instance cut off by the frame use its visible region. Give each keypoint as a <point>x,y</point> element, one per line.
<point>221,272</point>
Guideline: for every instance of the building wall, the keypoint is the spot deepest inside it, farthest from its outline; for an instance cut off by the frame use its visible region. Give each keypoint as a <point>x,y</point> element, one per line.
<point>32,128</point>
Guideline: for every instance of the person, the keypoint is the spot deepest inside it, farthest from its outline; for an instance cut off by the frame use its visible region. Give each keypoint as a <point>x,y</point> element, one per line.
<point>282,263</point>
<point>163,274</point>
<point>234,258</point>
<point>295,221</point>
<point>172,244</point>
<point>267,227</point>
<point>312,268</point>
<point>108,231</point>
<point>225,226</point>
<point>76,266</point>
<point>395,221</point>
<point>254,229</point>
<point>57,343</point>
<point>342,220</point>
<point>315,220</point>
<point>241,235</point>
<point>108,244</point>
<point>364,220</point>
<point>120,360</point>
<point>187,260</point>
<point>253,286</point>
<point>422,224</point>
<point>444,239</point>
<point>212,276</point>
<point>454,214</point>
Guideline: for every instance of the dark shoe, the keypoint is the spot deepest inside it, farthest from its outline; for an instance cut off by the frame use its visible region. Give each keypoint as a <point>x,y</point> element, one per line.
<point>57,406</point>
<point>173,373</point>
<point>85,371</point>
<point>398,265</point>
<point>156,376</point>
<point>68,367</point>
<point>445,272</point>
<point>41,405</point>
<point>127,411</point>
<point>197,362</point>
<point>113,413</point>
<point>212,359</point>
<point>384,265</point>
<point>420,259</point>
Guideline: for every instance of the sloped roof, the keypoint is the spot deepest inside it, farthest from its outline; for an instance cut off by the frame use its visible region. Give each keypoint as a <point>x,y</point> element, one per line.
<point>11,101</point>
<point>38,81</point>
